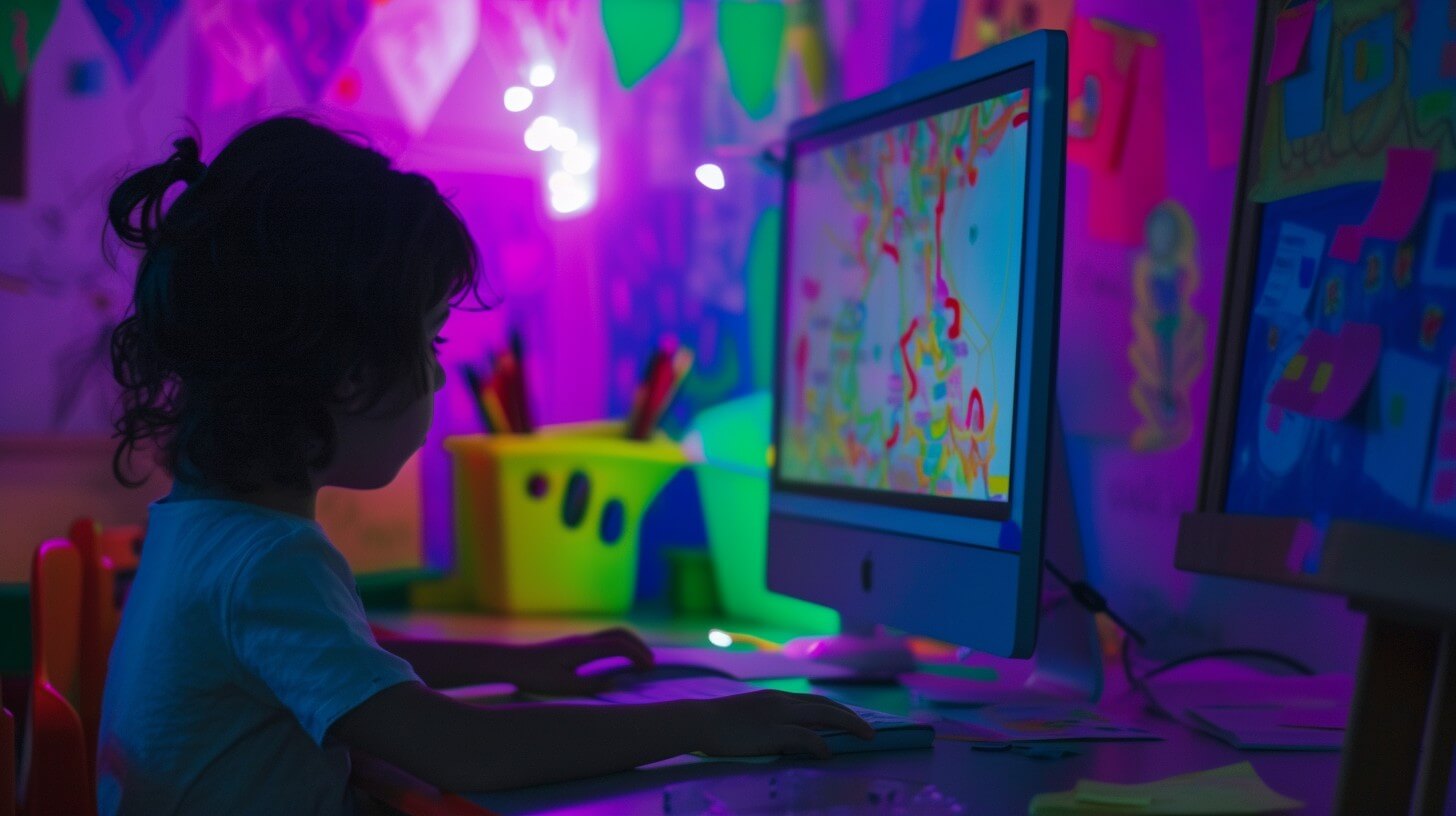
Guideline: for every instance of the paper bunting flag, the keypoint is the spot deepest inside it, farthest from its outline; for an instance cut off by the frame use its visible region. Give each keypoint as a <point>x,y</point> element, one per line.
<point>420,46</point>
<point>808,39</point>
<point>23,27</point>
<point>752,38</point>
<point>314,38</point>
<point>236,44</point>
<point>641,34</point>
<point>133,28</point>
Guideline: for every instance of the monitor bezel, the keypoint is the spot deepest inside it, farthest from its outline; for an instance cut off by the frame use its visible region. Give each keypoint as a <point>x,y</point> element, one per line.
<point>966,579</point>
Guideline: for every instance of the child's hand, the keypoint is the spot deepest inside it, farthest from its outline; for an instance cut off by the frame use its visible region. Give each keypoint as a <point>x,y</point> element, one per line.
<point>775,722</point>
<point>551,667</point>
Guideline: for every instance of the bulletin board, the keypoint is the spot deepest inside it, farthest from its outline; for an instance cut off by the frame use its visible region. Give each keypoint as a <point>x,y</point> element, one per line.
<point>1336,387</point>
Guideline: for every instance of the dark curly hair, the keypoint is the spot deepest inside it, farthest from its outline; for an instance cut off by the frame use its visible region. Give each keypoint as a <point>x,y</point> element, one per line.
<point>297,259</point>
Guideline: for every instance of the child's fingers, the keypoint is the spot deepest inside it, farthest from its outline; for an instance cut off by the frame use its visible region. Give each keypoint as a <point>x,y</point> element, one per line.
<point>831,716</point>
<point>794,739</point>
<point>621,643</point>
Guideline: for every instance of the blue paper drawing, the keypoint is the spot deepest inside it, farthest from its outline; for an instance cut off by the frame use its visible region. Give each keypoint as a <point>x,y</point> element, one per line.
<point>1433,37</point>
<point>1438,260</point>
<point>1400,425</point>
<point>1367,61</point>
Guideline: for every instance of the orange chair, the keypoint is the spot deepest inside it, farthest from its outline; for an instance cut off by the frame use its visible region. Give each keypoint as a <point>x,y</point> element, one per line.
<point>56,773</point>
<point>106,557</point>
<point>7,761</point>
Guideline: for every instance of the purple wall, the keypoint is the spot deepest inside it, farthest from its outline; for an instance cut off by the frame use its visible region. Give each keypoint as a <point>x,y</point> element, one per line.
<point>657,252</point>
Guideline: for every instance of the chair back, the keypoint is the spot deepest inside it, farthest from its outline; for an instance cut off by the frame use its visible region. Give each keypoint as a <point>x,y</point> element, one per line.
<point>56,774</point>
<point>107,557</point>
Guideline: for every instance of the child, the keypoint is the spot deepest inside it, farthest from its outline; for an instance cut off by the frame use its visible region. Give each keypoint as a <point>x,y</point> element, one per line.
<point>282,338</point>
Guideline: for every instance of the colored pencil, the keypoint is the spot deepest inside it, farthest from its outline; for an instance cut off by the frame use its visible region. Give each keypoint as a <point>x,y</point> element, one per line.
<point>477,397</point>
<point>518,350</point>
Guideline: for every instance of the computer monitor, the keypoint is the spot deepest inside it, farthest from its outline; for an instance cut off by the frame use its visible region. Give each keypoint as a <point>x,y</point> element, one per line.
<point>916,349</point>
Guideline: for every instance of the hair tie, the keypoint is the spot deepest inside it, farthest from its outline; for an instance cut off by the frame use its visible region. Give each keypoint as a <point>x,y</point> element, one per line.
<point>188,160</point>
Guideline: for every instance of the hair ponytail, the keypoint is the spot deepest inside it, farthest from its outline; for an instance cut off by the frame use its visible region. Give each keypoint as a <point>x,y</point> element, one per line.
<point>135,210</point>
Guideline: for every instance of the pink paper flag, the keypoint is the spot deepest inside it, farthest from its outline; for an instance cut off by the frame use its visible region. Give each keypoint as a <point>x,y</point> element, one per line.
<point>1291,31</point>
<point>315,38</point>
<point>238,50</point>
<point>420,46</point>
<point>1120,200</point>
<point>1397,206</point>
<point>1329,372</point>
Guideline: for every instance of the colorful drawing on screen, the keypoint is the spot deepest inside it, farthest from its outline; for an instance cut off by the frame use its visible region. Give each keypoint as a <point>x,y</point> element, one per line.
<point>903,297</point>
<point>1167,349</point>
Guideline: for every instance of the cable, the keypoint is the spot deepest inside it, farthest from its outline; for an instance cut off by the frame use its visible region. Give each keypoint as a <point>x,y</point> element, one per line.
<point>1261,654</point>
<point>1093,601</point>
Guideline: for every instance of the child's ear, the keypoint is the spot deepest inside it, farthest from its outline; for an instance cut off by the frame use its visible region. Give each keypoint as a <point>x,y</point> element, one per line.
<point>353,386</point>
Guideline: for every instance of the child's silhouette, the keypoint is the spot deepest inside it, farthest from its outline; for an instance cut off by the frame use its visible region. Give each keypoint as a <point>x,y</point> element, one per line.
<point>281,339</point>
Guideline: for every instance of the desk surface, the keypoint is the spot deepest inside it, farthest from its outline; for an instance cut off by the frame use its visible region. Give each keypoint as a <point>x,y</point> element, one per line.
<point>981,781</point>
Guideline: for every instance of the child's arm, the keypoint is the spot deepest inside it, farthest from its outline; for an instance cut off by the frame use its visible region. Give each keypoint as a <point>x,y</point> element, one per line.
<point>460,747</point>
<point>546,668</point>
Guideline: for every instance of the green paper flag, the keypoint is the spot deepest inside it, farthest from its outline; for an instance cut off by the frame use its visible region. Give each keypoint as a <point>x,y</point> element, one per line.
<point>752,37</point>
<point>23,27</point>
<point>641,34</point>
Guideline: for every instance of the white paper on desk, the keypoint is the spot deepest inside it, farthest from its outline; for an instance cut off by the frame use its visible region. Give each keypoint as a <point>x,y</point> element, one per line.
<point>1040,722</point>
<point>1292,275</point>
<point>1255,727</point>
<point>748,665</point>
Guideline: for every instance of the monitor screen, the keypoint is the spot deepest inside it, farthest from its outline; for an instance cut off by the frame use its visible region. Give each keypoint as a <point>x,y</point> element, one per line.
<point>901,303</point>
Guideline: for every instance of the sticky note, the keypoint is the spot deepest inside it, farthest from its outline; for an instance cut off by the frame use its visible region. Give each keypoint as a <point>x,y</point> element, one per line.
<point>1438,255</point>
<point>1232,789</point>
<point>1304,92</point>
<point>1329,372</point>
<point>1401,421</point>
<point>1398,203</point>
<point>1293,272</point>
<point>1291,31</point>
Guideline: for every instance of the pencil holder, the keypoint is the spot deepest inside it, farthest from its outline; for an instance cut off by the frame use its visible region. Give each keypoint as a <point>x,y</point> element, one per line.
<point>547,523</point>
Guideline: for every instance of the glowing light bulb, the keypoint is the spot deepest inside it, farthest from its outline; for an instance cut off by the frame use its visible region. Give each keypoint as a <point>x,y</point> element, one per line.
<point>579,159</point>
<point>518,98</point>
<point>560,182</point>
<point>537,139</point>
<point>569,200</point>
<point>563,139</point>
<point>542,74</point>
<point>720,638</point>
<point>710,175</point>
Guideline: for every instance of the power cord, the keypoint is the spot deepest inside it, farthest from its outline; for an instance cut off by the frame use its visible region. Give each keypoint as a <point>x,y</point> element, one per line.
<point>1095,602</point>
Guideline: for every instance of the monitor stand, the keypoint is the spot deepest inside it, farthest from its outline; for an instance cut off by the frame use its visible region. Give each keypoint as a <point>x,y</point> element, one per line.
<point>1067,663</point>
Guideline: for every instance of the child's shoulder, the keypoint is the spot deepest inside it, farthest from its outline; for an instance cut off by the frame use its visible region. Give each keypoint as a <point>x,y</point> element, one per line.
<point>222,531</point>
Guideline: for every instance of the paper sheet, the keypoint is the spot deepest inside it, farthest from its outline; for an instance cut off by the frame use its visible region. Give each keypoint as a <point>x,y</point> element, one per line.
<point>1293,273</point>
<point>1367,61</point>
<point>1438,257</point>
<point>1101,78</point>
<point>1400,426</point>
<point>1232,789</point>
<point>1325,378</point>
<point>1037,722</point>
<point>1441,496</point>
<point>1432,36</point>
<point>1398,203</point>
<point>1304,92</point>
<point>1120,200</point>
<point>133,29</point>
<point>314,39</point>
<point>1291,31</point>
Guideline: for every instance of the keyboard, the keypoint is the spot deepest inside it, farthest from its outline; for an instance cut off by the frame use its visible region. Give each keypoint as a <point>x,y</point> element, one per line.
<point>892,733</point>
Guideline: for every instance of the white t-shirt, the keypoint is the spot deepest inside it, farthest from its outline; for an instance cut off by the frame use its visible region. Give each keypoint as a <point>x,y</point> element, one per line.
<point>242,641</point>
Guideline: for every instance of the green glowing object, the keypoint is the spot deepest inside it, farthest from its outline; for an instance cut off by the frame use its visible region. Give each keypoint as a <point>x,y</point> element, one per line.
<point>752,37</point>
<point>641,33</point>
<point>762,274</point>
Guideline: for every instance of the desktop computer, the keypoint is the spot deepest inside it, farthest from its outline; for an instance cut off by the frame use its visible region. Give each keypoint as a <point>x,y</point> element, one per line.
<point>916,350</point>
<point>1330,460</point>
